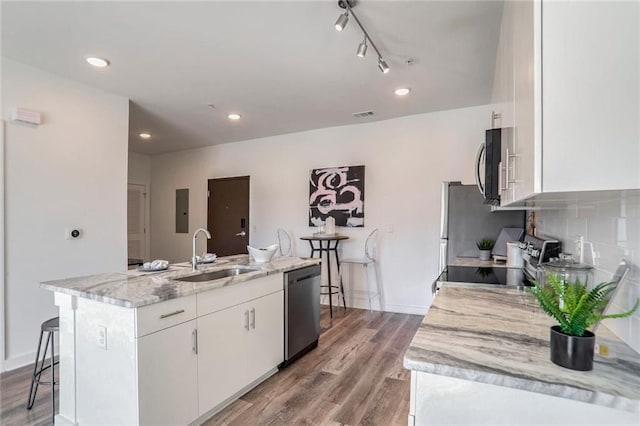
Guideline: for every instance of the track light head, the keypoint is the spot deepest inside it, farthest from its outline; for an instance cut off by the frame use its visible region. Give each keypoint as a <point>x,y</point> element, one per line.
<point>342,21</point>
<point>362,48</point>
<point>382,64</point>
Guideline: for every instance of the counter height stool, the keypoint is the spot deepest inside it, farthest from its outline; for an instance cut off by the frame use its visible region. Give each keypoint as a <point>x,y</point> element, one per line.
<point>50,327</point>
<point>331,288</point>
<point>370,258</point>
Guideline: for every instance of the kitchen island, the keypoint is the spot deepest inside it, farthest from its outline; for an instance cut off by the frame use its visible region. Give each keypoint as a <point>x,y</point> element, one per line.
<point>481,356</point>
<point>156,349</point>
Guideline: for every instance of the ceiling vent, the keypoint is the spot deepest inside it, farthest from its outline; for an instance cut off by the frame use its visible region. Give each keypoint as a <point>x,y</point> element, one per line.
<point>363,114</point>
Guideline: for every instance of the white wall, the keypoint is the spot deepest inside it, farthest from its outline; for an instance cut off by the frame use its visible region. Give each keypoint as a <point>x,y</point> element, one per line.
<point>70,170</point>
<point>613,226</point>
<point>406,159</point>
<point>140,174</point>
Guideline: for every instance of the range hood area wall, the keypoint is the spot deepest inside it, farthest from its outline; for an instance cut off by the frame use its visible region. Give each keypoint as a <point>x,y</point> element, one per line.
<point>406,160</point>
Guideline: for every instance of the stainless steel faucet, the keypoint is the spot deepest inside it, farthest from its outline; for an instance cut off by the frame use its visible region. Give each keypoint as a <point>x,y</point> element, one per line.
<point>194,259</point>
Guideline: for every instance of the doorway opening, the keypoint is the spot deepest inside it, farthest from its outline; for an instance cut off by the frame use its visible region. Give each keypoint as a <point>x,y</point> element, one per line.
<point>136,224</point>
<point>228,215</point>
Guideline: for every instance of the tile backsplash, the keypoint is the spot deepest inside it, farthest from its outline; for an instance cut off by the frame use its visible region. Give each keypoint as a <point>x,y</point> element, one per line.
<point>612,227</point>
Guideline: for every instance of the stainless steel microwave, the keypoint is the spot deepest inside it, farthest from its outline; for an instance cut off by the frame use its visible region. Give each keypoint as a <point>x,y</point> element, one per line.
<point>488,167</point>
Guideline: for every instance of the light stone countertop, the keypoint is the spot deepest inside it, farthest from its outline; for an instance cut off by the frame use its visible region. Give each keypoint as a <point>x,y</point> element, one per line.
<point>132,289</point>
<point>500,336</point>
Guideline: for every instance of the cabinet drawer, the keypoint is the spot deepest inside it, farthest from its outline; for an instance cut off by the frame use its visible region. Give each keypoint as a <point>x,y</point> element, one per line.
<point>222,298</point>
<point>162,315</point>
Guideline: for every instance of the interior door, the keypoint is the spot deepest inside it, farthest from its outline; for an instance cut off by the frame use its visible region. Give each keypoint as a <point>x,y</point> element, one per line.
<point>135,222</point>
<point>228,216</point>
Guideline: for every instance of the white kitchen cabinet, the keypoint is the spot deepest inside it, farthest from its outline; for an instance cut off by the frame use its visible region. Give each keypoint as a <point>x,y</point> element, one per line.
<point>238,345</point>
<point>168,376</point>
<point>438,400</point>
<point>575,101</point>
<point>221,355</point>
<point>266,335</point>
<point>174,362</point>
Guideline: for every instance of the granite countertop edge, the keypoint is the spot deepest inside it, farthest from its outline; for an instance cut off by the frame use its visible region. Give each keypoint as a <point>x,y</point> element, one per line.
<point>131,291</point>
<point>513,381</point>
<point>427,354</point>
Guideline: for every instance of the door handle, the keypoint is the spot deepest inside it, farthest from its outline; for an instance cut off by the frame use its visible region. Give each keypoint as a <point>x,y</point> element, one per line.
<point>246,320</point>
<point>241,234</point>
<point>253,318</point>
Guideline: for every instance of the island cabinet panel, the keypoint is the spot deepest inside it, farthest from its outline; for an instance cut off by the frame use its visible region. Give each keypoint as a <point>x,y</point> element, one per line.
<point>266,335</point>
<point>152,318</point>
<point>168,376</point>
<point>221,355</point>
<point>237,347</point>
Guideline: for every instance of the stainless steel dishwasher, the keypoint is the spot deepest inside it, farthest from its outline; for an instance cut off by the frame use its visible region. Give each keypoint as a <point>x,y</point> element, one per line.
<point>302,312</point>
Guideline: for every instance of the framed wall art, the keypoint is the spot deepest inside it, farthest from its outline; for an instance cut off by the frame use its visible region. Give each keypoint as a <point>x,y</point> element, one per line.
<point>337,192</point>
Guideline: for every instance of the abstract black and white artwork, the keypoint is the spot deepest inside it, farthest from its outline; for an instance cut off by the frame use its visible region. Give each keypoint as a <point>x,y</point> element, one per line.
<point>337,192</point>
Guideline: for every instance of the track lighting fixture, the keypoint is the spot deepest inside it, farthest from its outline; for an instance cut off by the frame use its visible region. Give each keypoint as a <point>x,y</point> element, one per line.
<point>382,64</point>
<point>342,21</point>
<point>362,48</point>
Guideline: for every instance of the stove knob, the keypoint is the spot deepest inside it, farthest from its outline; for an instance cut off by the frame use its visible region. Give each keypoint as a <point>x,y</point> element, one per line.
<point>535,253</point>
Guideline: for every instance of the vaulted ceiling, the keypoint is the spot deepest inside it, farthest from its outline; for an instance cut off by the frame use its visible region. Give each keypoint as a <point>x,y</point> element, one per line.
<point>281,65</point>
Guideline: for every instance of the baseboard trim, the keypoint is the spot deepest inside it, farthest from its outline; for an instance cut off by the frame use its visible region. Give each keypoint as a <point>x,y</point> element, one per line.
<point>21,361</point>
<point>18,361</point>
<point>360,303</point>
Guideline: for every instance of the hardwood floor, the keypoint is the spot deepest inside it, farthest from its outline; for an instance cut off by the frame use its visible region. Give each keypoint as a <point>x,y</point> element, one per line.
<point>355,376</point>
<point>14,390</point>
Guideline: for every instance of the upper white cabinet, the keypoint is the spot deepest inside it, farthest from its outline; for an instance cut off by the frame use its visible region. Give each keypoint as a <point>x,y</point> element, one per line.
<point>574,103</point>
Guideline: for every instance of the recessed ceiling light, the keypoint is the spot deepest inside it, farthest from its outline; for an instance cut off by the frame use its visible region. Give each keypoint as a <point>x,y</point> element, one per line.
<point>98,62</point>
<point>402,91</point>
<point>234,116</point>
<point>145,135</point>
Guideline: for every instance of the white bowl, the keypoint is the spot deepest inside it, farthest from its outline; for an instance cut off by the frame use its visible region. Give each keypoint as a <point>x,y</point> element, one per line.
<point>262,255</point>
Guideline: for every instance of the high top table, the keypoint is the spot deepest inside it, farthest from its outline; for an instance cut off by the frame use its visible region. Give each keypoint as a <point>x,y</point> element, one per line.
<point>329,238</point>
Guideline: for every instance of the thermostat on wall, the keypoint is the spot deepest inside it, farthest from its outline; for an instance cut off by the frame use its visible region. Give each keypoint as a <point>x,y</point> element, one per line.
<point>26,116</point>
<point>71,233</point>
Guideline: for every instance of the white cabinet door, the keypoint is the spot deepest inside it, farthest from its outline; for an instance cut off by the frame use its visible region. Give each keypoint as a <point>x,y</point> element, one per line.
<point>222,348</point>
<point>265,348</point>
<point>522,161</point>
<point>591,95</point>
<point>168,376</point>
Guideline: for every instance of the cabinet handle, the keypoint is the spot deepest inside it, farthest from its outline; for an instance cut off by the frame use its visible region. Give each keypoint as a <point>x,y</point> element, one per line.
<point>163,316</point>
<point>195,341</point>
<point>246,320</point>
<point>513,168</point>
<point>500,189</point>
<point>253,318</point>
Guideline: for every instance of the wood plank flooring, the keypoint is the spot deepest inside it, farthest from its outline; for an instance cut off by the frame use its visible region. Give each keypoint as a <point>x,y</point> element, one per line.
<point>354,377</point>
<point>14,390</point>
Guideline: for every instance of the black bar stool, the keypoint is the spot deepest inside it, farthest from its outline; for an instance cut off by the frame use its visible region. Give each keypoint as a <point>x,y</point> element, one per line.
<point>50,327</point>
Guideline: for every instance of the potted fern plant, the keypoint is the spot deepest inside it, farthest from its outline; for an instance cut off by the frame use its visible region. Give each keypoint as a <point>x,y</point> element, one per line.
<point>485,245</point>
<point>575,309</point>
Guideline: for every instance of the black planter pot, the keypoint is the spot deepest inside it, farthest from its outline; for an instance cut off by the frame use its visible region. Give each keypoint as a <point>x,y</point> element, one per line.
<point>572,352</point>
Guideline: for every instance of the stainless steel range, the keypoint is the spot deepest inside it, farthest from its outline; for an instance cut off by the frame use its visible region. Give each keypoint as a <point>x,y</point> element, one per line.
<point>535,251</point>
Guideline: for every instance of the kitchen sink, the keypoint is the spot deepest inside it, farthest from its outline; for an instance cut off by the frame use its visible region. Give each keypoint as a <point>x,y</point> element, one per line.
<point>214,275</point>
